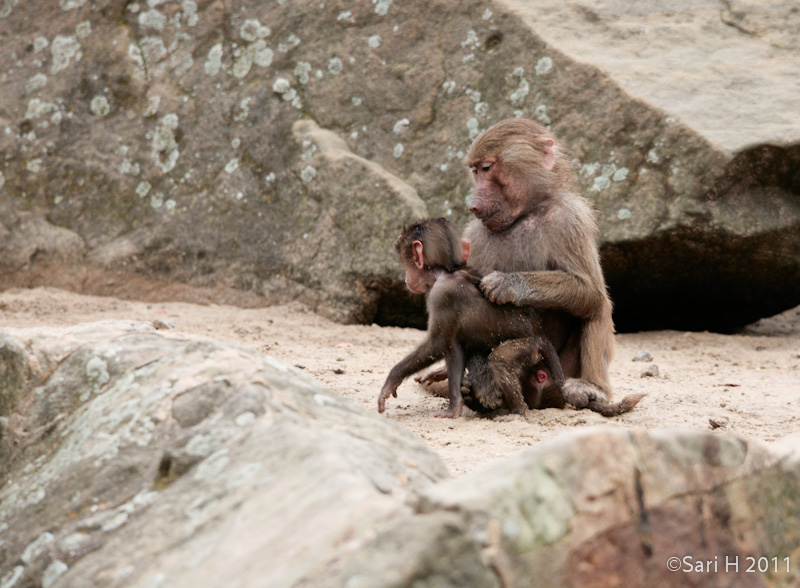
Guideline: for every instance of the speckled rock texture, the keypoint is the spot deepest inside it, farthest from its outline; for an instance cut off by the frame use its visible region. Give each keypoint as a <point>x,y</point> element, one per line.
<point>133,459</point>
<point>151,149</point>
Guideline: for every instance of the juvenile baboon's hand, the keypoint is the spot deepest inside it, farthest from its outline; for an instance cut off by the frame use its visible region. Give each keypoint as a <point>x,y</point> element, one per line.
<point>388,390</point>
<point>498,287</point>
<point>466,387</point>
<point>435,375</point>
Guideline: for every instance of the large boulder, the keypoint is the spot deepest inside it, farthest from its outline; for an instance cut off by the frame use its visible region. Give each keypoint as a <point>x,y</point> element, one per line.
<point>661,508</point>
<point>158,143</point>
<point>130,458</point>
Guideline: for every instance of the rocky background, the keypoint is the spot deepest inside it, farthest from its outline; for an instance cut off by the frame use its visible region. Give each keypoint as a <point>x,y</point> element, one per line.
<point>251,153</point>
<point>256,152</point>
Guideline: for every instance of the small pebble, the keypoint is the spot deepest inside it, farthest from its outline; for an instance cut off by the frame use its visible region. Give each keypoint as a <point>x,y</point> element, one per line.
<point>643,356</point>
<point>163,325</point>
<point>718,422</point>
<point>651,372</point>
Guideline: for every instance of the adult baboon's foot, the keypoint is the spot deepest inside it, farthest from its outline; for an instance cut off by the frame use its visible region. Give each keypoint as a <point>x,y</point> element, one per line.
<point>579,393</point>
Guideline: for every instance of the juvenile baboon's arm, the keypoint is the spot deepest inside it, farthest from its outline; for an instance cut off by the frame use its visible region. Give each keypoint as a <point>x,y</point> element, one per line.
<point>430,351</point>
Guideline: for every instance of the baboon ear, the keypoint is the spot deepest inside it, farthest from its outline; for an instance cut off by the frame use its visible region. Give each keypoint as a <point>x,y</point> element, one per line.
<point>464,250</point>
<point>417,255</point>
<point>549,154</point>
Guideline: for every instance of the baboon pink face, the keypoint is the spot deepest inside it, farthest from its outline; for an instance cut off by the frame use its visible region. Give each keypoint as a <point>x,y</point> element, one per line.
<point>512,165</point>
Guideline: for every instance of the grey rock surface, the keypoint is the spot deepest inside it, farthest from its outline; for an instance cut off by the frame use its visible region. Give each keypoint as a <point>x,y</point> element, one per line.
<point>132,459</point>
<point>257,152</point>
<point>728,70</point>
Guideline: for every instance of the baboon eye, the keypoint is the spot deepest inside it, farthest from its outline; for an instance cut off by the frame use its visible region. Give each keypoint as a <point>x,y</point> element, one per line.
<point>483,166</point>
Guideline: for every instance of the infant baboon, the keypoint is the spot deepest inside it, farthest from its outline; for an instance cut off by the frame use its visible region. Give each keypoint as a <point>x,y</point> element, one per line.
<point>543,390</point>
<point>462,321</point>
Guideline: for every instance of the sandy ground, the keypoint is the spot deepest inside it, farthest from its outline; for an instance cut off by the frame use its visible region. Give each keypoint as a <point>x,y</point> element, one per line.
<point>749,381</point>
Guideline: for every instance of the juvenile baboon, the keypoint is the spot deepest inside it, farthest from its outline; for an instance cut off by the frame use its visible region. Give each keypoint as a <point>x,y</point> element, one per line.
<point>534,240</point>
<point>461,322</point>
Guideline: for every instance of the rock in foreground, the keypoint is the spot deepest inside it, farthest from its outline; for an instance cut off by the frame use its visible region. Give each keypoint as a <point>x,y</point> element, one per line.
<point>134,459</point>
